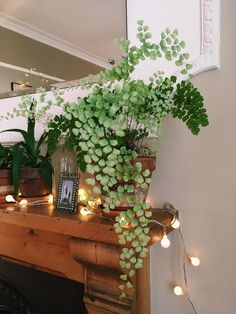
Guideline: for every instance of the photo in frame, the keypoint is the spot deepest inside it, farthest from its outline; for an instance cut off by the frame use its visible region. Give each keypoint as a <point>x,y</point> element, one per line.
<point>67,193</point>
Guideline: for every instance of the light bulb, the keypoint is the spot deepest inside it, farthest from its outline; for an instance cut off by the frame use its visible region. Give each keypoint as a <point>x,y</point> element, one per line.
<point>84,211</point>
<point>175,223</point>
<point>195,261</point>
<point>10,198</point>
<point>23,203</point>
<point>91,203</point>
<point>98,201</point>
<point>165,242</point>
<point>178,290</point>
<point>50,199</point>
<point>83,196</point>
<point>123,222</point>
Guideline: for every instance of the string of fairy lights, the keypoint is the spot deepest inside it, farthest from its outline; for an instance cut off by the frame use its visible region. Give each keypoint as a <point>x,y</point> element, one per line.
<point>89,207</point>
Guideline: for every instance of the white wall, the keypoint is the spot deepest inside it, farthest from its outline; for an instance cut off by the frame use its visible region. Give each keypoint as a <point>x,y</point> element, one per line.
<point>198,175</point>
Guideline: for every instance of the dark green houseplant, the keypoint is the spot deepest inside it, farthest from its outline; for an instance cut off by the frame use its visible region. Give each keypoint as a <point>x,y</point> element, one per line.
<point>108,126</point>
<point>27,158</point>
<point>6,153</point>
<point>6,156</point>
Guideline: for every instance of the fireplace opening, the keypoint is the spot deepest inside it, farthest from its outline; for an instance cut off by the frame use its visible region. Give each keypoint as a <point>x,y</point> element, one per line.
<point>25,290</point>
<point>12,301</point>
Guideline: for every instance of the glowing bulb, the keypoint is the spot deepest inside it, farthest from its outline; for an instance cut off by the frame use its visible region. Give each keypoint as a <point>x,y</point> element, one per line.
<point>91,203</point>
<point>83,195</point>
<point>50,199</point>
<point>10,198</point>
<point>84,211</point>
<point>23,202</point>
<point>98,201</point>
<point>175,223</point>
<point>195,261</point>
<point>123,222</point>
<point>178,291</point>
<point>165,242</point>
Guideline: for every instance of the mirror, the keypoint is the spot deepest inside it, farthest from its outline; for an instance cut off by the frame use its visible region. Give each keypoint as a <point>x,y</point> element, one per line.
<point>47,42</point>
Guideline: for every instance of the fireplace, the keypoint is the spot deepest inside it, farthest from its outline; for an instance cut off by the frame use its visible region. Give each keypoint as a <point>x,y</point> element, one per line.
<point>25,290</point>
<point>53,246</point>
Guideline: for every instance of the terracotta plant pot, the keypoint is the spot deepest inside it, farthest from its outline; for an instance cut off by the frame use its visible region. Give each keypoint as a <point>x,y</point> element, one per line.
<point>5,184</point>
<point>148,162</point>
<point>31,183</point>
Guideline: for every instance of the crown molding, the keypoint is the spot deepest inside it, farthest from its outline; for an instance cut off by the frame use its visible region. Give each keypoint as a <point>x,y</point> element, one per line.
<point>28,30</point>
<point>209,58</point>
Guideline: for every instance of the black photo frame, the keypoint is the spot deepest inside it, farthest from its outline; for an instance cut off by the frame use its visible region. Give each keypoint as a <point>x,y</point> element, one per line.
<point>67,193</point>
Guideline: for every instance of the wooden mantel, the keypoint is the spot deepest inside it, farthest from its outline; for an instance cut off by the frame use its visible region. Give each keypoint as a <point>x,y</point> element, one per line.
<point>84,249</point>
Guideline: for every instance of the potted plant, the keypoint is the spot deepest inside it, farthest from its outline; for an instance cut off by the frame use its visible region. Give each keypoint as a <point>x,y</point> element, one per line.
<point>108,126</point>
<point>31,170</point>
<point>5,171</point>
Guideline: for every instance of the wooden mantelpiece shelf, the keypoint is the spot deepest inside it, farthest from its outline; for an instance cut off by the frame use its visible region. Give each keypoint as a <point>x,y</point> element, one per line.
<point>83,249</point>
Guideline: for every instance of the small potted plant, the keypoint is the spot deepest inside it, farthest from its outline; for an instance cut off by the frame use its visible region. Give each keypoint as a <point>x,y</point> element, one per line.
<point>31,170</point>
<point>107,128</point>
<point>6,186</point>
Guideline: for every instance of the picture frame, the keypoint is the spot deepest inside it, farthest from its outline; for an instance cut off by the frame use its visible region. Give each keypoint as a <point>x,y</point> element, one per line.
<point>67,193</point>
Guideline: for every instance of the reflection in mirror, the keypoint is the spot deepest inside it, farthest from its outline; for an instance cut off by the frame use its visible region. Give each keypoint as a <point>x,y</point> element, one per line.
<point>47,42</point>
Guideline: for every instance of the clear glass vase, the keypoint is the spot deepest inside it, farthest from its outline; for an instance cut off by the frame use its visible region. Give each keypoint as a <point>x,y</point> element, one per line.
<point>64,161</point>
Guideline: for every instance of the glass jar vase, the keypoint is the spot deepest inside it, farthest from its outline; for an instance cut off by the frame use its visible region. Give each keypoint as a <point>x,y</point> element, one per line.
<point>64,160</point>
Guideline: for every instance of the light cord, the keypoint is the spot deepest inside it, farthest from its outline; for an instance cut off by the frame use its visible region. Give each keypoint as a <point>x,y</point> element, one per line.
<point>159,223</point>
<point>185,272</point>
<point>170,209</point>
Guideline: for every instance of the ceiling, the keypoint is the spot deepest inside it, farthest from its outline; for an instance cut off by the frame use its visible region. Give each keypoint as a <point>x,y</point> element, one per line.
<point>85,28</point>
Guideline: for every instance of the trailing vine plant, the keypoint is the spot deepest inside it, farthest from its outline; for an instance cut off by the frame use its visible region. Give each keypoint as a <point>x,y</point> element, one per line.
<point>107,128</point>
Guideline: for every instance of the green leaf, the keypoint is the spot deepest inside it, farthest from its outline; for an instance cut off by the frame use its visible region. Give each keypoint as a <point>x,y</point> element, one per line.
<point>129,285</point>
<point>146,173</point>
<point>134,223</point>
<point>140,22</point>
<point>148,214</point>
<point>135,243</point>
<point>182,44</point>
<point>113,142</point>
<point>18,156</point>
<point>87,159</point>
<point>107,149</point>
<point>189,66</point>
<point>90,181</point>
<point>103,142</point>
<point>184,72</point>
<point>123,277</point>
<point>131,273</point>
<point>46,171</point>
<point>138,166</point>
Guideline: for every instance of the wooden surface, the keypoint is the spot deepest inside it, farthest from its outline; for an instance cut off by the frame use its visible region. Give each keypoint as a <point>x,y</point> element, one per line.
<point>89,227</point>
<point>84,249</point>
